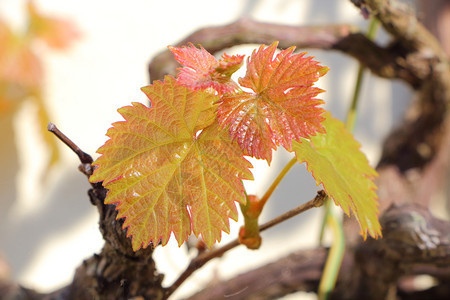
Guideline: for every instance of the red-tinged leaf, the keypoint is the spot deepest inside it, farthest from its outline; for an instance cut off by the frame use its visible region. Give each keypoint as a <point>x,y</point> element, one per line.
<point>249,123</point>
<point>335,161</point>
<point>171,169</point>
<point>230,64</point>
<point>202,70</point>
<point>283,106</point>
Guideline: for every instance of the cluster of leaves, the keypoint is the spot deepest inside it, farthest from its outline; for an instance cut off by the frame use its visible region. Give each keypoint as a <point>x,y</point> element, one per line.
<point>178,165</point>
<point>21,67</point>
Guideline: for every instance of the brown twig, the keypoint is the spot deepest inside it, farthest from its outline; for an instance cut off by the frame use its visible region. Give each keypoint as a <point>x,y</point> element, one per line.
<point>205,257</point>
<point>86,159</point>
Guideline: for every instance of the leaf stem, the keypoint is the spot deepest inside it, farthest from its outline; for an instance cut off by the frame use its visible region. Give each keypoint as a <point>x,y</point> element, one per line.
<point>205,257</point>
<point>250,232</point>
<point>277,181</point>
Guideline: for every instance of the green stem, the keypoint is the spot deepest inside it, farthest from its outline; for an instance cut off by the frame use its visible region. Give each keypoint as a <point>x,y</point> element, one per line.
<point>249,234</point>
<point>351,114</point>
<point>334,259</point>
<point>277,180</point>
<point>327,208</point>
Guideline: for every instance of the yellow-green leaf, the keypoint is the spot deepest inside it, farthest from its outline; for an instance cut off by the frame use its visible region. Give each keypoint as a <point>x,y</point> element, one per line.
<point>335,161</point>
<point>171,169</point>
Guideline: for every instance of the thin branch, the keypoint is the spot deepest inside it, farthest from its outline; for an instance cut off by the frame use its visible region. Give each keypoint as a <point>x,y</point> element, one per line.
<point>387,62</point>
<point>298,271</point>
<point>247,31</point>
<point>205,257</point>
<point>318,201</point>
<point>423,250</point>
<point>86,159</point>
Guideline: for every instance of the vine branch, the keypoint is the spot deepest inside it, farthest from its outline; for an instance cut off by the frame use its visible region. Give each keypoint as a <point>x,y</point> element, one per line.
<point>85,159</point>
<point>388,62</point>
<point>408,246</point>
<point>205,257</point>
<point>248,31</point>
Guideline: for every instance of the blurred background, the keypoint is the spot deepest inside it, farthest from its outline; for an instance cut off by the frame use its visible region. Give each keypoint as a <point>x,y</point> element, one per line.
<point>74,63</point>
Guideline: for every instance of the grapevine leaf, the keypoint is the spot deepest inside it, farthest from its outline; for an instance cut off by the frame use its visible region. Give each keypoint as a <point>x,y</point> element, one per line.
<point>202,70</point>
<point>283,106</point>
<point>335,161</point>
<point>171,169</point>
<point>229,64</point>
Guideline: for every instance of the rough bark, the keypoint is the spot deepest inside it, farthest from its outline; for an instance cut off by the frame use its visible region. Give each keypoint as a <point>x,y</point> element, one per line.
<point>117,272</point>
<point>414,242</point>
<point>299,271</point>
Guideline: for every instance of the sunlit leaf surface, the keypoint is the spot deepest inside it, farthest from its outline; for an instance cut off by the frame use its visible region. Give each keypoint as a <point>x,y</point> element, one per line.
<point>335,161</point>
<point>201,70</point>
<point>282,107</point>
<point>171,169</point>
